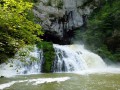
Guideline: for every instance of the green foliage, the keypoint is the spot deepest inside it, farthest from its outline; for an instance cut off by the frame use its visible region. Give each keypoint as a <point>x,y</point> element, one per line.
<point>34,1</point>
<point>49,3</point>
<point>49,55</point>
<point>25,56</point>
<point>60,4</point>
<point>16,27</point>
<point>87,2</point>
<point>25,53</point>
<point>102,34</point>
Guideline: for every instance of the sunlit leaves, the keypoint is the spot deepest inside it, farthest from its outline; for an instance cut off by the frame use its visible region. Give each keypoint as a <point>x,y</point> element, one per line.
<point>17,27</point>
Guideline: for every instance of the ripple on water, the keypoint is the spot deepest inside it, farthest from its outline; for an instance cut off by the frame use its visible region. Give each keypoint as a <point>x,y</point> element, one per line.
<point>34,81</point>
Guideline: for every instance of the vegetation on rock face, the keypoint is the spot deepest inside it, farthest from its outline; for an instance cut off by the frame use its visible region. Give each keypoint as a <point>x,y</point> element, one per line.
<point>60,4</point>
<point>102,34</point>
<point>57,3</point>
<point>49,55</point>
<point>17,27</point>
<point>24,57</point>
<point>24,53</point>
<point>34,1</point>
<point>49,3</point>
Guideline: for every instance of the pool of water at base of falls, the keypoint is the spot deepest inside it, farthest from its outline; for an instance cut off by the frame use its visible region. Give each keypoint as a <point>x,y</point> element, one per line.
<point>62,81</point>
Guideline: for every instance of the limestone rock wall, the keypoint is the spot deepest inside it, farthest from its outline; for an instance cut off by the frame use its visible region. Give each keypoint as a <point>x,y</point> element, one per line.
<point>61,16</point>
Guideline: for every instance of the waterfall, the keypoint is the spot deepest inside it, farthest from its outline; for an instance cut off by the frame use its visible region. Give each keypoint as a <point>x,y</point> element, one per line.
<point>27,61</point>
<point>72,58</point>
<point>68,58</point>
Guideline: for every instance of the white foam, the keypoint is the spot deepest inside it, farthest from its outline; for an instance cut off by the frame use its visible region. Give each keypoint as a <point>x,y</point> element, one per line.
<point>7,71</point>
<point>3,86</point>
<point>111,70</point>
<point>29,64</point>
<point>48,80</point>
<point>35,81</point>
<point>75,58</point>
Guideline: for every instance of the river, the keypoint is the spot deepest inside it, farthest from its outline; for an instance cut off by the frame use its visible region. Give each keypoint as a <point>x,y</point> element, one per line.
<point>62,81</point>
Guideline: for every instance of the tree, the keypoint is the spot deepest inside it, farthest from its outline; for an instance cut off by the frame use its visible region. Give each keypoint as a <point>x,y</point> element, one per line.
<point>17,28</point>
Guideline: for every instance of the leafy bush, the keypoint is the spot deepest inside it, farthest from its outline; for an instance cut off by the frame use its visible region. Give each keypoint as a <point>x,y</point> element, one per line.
<point>17,27</point>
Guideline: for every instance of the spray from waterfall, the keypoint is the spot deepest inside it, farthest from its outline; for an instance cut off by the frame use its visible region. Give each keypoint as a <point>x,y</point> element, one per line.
<point>73,58</point>
<point>26,61</point>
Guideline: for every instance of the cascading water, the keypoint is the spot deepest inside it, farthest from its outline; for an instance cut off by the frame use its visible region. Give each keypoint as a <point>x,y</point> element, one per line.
<point>69,58</point>
<point>27,61</point>
<point>72,58</point>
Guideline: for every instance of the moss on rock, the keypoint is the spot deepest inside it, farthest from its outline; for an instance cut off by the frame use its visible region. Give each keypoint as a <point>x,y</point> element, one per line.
<point>49,55</point>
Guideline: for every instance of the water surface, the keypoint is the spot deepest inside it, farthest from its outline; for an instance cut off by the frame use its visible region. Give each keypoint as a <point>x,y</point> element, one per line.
<point>63,81</point>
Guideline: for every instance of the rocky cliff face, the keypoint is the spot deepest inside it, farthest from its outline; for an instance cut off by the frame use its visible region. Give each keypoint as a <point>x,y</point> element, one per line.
<point>63,16</point>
